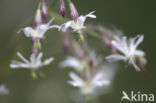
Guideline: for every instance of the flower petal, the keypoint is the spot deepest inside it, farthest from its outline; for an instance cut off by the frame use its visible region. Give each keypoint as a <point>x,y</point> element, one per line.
<point>39,57</point>
<point>91,15</point>
<point>139,53</point>
<point>41,29</point>
<point>118,46</point>
<point>115,57</point>
<point>66,25</point>
<point>81,21</point>
<point>71,62</point>
<point>102,83</point>
<point>33,59</point>
<point>50,21</point>
<point>16,64</point>
<point>77,81</point>
<point>21,56</point>
<point>140,39</point>
<point>28,31</point>
<point>48,61</point>
<point>98,79</point>
<point>125,46</point>
<point>134,64</point>
<point>54,26</point>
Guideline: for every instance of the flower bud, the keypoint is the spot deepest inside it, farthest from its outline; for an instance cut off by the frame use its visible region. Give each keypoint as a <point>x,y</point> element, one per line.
<point>74,12</point>
<point>108,41</point>
<point>44,10</point>
<point>66,44</point>
<point>91,62</point>
<point>142,62</point>
<point>62,8</point>
<point>38,19</point>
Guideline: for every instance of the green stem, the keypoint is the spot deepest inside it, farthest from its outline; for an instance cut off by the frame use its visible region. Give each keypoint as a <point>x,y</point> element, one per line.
<point>87,99</point>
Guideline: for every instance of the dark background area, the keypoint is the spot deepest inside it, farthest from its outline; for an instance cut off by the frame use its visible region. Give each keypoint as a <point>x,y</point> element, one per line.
<point>132,17</point>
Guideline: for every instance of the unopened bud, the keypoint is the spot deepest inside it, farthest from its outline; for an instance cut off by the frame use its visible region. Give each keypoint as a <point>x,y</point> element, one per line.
<point>74,12</point>
<point>80,54</point>
<point>107,42</point>
<point>62,8</point>
<point>66,45</point>
<point>44,10</point>
<point>38,19</point>
<point>142,62</point>
<point>91,62</point>
<point>107,38</point>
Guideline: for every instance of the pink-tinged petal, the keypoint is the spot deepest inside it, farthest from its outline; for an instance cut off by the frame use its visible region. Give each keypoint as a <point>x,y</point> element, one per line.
<point>44,10</point>
<point>74,12</point>
<point>38,19</point>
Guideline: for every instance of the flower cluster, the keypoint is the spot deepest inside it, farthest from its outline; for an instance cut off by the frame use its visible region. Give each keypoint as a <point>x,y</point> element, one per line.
<point>36,34</point>
<point>39,31</point>
<point>129,51</point>
<point>89,75</point>
<point>124,49</point>
<point>34,63</point>
<point>91,72</point>
<point>77,25</point>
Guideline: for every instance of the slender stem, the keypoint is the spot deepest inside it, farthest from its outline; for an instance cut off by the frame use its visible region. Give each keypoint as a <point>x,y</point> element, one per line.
<point>34,50</point>
<point>87,98</point>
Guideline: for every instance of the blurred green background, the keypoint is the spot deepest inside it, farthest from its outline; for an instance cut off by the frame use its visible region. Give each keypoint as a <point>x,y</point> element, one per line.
<point>132,17</point>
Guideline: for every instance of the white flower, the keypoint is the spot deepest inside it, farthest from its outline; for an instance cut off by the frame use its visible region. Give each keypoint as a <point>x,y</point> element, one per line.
<point>40,30</point>
<point>34,63</point>
<point>129,50</point>
<point>79,64</point>
<point>94,60</point>
<point>3,90</point>
<point>73,62</point>
<point>88,87</point>
<point>77,25</point>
